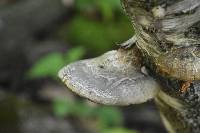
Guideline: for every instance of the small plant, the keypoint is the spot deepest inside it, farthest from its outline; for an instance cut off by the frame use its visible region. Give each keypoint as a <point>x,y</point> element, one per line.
<point>49,65</point>
<point>108,119</point>
<point>97,25</point>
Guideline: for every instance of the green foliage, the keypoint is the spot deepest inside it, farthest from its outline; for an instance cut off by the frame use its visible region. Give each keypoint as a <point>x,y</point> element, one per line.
<point>86,5</point>
<point>82,5</point>
<point>118,130</point>
<point>108,7</point>
<point>98,26</point>
<point>62,108</point>
<point>74,54</point>
<point>96,36</point>
<point>109,116</point>
<point>49,65</point>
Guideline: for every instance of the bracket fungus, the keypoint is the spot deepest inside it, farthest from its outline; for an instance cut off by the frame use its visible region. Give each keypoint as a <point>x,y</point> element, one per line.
<point>167,44</point>
<point>115,78</point>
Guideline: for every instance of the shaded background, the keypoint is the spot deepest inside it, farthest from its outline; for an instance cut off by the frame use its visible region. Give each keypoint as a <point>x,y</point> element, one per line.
<point>37,38</point>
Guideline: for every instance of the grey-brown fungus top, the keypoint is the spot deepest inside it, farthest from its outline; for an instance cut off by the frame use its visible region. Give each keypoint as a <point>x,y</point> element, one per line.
<point>115,78</point>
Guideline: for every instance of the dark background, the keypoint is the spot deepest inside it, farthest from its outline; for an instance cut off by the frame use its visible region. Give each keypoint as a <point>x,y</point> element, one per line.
<point>37,38</point>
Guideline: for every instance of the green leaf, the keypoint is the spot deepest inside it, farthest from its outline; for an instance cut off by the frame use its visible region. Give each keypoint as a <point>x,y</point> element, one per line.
<point>119,130</point>
<point>82,5</point>
<point>106,7</point>
<point>115,4</point>
<point>62,107</point>
<point>81,109</point>
<point>49,65</point>
<point>65,107</point>
<point>106,10</point>
<point>98,37</point>
<point>74,54</point>
<point>109,116</point>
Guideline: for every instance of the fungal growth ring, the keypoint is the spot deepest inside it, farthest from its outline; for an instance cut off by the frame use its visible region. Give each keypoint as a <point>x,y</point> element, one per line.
<point>161,62</point>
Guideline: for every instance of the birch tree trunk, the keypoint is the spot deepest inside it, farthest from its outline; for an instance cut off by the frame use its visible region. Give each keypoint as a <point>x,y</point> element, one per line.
<point>168,35</point>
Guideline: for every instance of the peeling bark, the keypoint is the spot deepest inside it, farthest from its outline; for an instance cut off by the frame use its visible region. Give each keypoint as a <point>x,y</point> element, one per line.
<point>168,35</point>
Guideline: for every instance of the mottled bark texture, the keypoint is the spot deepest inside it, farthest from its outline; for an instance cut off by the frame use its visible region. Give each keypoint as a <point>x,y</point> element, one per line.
<point>168,35</point>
